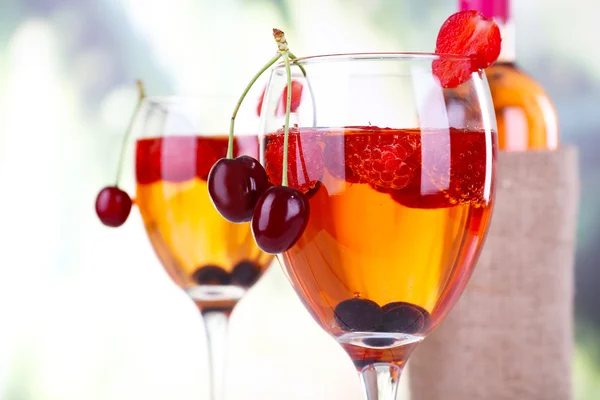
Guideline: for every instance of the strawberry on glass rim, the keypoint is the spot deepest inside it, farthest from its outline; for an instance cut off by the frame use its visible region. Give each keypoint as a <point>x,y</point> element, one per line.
<point>468,34</point>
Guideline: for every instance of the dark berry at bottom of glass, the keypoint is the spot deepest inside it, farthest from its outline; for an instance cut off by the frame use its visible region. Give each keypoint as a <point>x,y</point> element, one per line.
<point>404,317</point>
<point>211,275</point>
<point>379,342</point>
<point>358,315</point>
<point>245,274</point>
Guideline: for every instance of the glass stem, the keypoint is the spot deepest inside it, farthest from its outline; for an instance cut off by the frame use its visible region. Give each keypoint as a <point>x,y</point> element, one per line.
<point>380,381</point>
<point>216,323</point>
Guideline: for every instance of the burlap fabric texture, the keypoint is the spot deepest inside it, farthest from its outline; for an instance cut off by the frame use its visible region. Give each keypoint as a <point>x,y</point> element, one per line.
<point>510,336</point>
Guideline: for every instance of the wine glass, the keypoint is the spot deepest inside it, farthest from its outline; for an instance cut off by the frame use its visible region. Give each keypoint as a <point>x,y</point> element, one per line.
<point>399,173</point>
<point>214,261</point>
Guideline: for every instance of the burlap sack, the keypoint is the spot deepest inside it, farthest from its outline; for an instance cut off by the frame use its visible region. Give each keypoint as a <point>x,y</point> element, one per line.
<point>510,336</point>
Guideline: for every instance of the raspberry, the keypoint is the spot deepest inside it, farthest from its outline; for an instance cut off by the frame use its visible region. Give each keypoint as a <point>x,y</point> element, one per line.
<point>381,158</point>
<point>335,158</point>
<point>469,34</point>
<point>305,159</point>
<point>469,167</point>
<point>453,171</point>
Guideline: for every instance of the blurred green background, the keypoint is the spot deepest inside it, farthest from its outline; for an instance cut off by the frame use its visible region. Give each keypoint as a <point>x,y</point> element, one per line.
<point>86,312</point>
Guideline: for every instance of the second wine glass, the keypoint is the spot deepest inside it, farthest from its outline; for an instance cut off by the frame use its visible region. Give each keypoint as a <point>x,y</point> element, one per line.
<point>214,261</point>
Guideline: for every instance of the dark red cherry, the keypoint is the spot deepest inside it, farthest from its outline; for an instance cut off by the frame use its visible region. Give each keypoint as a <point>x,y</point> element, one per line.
<point>279,219</point>
<point>404,317</point>
<point>245,274</point>
<point>211,275</point>
<point>235,185</point>
<point>113,206</point>
<point>358,315</point>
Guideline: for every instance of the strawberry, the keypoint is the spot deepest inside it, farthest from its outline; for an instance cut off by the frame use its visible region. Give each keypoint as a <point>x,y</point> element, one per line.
<point>469,34</point>
<point>305,159</point>
<point>381,158</point>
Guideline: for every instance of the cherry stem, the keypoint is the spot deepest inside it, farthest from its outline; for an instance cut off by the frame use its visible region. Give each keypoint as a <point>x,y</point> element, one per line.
<point>286,127</point>
<point>241,99</point>
<point>141,96</point>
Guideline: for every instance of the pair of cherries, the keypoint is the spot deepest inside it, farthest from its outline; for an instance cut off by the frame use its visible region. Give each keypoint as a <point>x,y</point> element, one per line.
<point>241,192</point>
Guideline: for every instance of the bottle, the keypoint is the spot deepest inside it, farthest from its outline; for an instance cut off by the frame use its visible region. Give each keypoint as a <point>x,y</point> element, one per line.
<point>510,335</point>
<point>525,115</point>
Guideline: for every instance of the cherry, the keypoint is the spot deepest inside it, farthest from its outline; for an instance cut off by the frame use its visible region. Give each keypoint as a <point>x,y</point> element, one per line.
<point>113,206</point>
<point>358,315</point>
<point>404,317</point>
<point>235,185</point>
<point>245,274</point>
<point>240,189</point>
<point>211,275</point>
<point>279,219</point>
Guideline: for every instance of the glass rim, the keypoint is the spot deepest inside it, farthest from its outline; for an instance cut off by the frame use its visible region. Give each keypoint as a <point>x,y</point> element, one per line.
<point>376,56</point>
